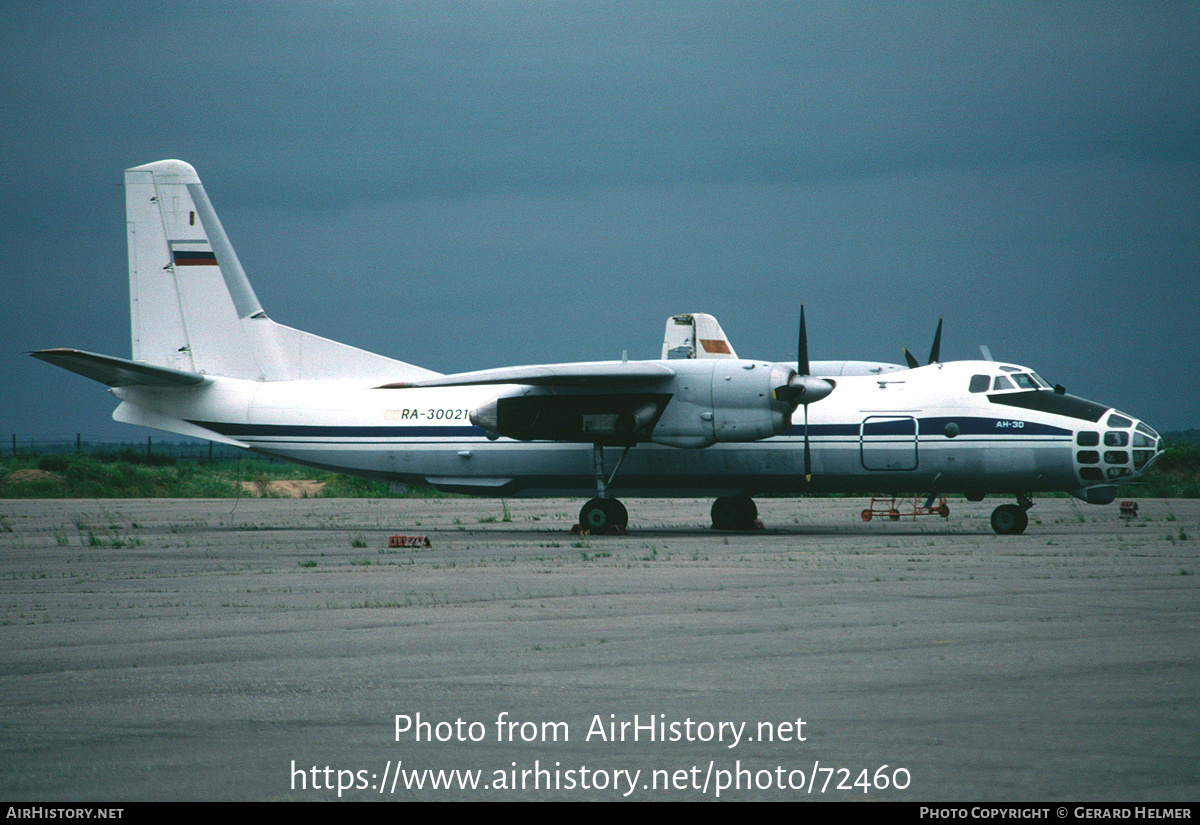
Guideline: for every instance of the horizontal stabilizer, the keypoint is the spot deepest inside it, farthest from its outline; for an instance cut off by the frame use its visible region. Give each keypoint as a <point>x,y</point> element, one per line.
<point>119,372</point>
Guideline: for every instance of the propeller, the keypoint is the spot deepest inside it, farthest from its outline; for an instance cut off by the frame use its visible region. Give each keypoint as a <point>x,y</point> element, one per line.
<point>934,351</point>
<point>803,389</point>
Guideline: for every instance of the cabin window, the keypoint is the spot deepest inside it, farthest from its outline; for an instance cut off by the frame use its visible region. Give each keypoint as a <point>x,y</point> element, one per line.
<point>1116,439</point>
<point>1087,457</point>
<point>1116,457</point>
<point>980,383</point>
<point>1087,439</point>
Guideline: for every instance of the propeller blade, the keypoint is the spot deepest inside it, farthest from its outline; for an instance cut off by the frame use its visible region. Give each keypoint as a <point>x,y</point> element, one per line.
<point>935,352</point>
<point>802,348</point>
<point>803,388</point>
<point>807,450</point>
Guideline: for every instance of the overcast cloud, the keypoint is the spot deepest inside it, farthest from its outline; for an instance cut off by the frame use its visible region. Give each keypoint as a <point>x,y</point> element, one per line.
<point>474,184</point>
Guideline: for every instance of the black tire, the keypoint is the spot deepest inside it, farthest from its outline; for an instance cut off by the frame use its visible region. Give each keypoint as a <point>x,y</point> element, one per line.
<point>734,513</point>
<point>1009,520</point>
<point>603,515</point>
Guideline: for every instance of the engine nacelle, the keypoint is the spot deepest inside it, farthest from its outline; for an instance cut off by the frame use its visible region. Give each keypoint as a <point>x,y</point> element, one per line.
<point>621,418</point>
<point>724,401</point>
<point>705,402</point>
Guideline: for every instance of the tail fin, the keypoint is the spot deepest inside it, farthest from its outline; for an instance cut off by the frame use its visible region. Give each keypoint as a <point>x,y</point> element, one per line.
<point>696,335</point>
<point>192,307</point>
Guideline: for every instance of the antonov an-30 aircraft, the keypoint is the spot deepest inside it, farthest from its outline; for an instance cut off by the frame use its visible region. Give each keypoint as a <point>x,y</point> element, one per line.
<point>208,363</point>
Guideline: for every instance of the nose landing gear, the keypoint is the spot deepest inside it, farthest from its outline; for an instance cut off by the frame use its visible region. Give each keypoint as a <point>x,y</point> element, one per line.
<point>1012,519</point>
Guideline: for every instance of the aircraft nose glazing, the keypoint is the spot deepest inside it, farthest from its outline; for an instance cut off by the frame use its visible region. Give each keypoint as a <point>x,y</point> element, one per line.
<point>1147,446</point>
<point>1122,449</point>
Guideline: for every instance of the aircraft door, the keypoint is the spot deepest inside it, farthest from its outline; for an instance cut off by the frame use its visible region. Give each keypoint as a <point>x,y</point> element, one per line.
<point>889,442</point>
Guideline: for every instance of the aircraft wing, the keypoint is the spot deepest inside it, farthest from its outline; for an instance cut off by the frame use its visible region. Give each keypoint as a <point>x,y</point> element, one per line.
<point>612,402</point>
<point>589,374</point>
<point>119,372</point>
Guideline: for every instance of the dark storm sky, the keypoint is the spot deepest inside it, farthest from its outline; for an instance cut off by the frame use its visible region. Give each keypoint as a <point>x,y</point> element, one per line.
<point>473,184</point>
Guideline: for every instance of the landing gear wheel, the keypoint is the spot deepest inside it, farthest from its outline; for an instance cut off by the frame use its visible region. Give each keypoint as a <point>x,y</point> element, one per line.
<point>734,513</point>
<point>603,515</point>
<point>894,514</point>
<point>866,515</point>
<point>1009,520</point>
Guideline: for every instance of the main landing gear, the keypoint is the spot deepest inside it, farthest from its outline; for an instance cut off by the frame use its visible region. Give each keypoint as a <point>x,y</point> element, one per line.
<point>603,515</point>
<point>1012,519</point>
<point>735,513</point>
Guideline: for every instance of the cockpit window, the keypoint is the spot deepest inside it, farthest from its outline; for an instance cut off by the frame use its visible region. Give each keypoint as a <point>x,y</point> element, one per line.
<point>1052,402</point>
<point>1115,420</point>
<point>980,383</point>
<point>1025,382</point>
<point>1002,383</point>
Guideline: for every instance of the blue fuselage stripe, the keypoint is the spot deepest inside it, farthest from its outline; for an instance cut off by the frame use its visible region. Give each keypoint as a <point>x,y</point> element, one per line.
<point>325,431</point>
<point>901,425</point>
<point>1008,427</point>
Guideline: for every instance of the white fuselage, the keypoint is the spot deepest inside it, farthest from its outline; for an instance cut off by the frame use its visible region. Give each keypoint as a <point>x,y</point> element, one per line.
<point>208,362</point>
<point>919,430</point>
